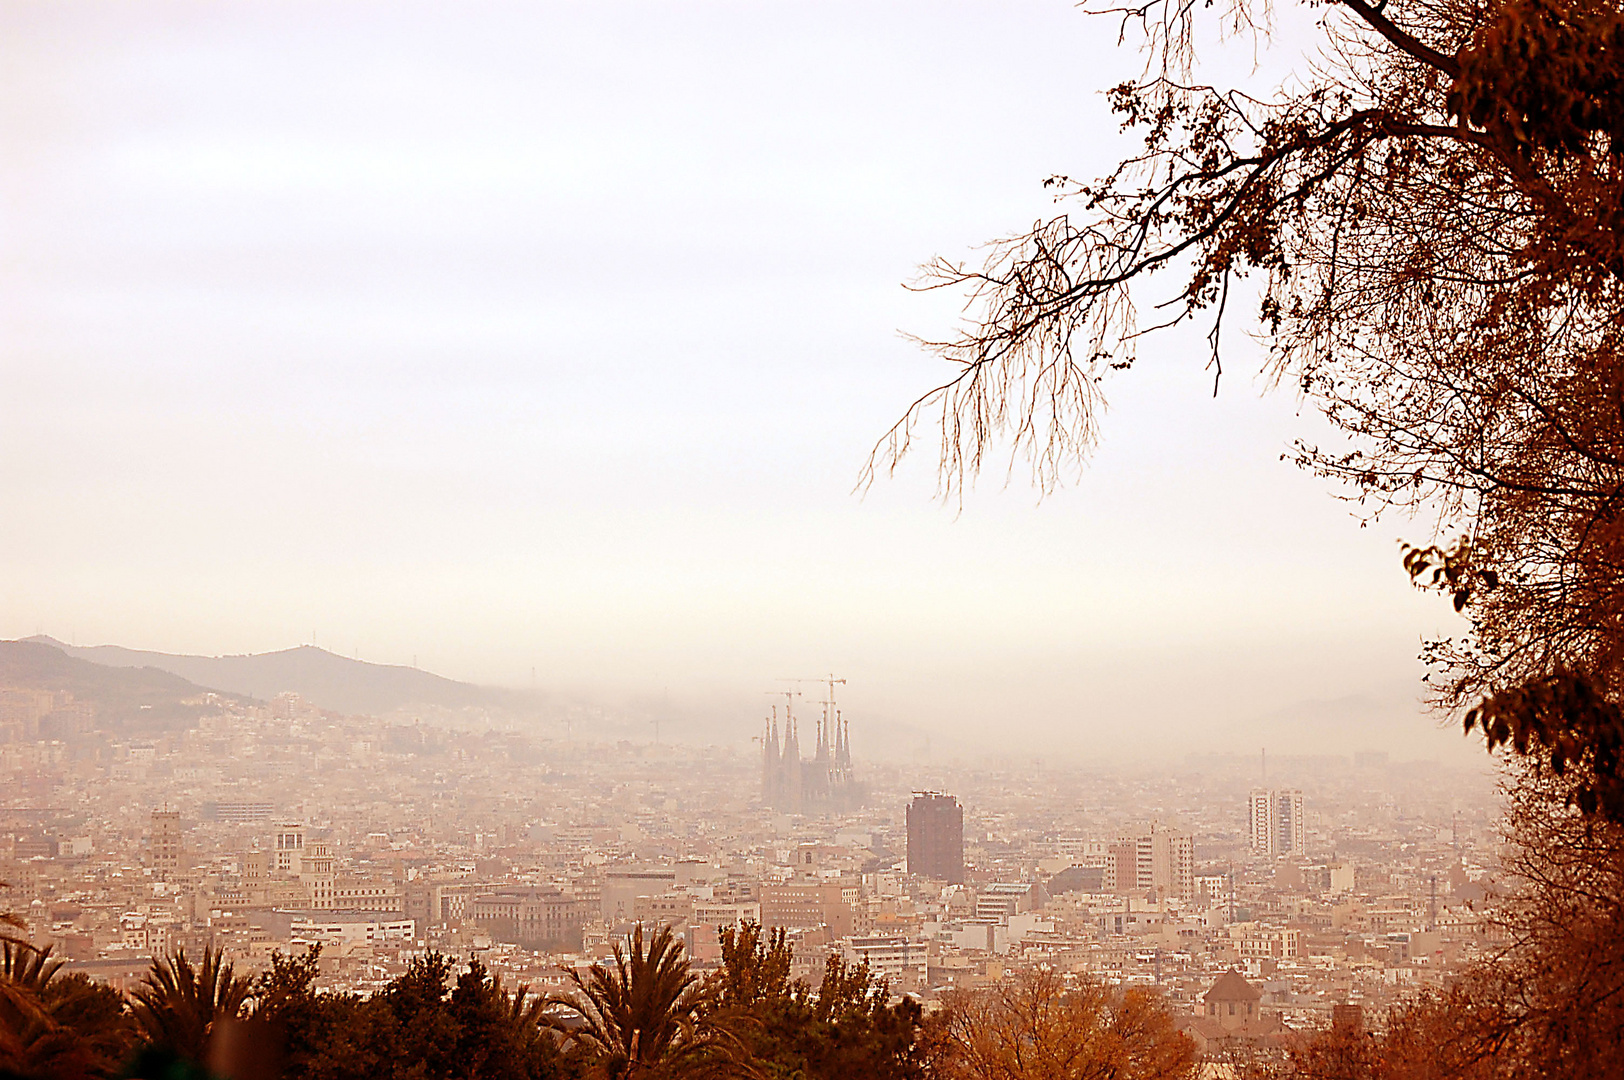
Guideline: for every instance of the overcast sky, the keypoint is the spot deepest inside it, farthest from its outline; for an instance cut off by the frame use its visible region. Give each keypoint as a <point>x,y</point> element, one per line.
<point>554,336</point>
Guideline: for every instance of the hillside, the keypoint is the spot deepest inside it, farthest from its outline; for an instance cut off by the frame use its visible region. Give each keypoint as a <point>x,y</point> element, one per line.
<point>127,697</point>
<point>324,679</point>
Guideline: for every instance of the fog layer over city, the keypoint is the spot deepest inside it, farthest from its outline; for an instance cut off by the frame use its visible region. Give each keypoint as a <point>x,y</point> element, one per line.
<point>541,347</point>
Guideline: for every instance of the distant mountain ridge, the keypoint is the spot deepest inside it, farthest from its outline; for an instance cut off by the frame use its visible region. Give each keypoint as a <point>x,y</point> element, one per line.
<point>130,699</point>
<point>323,679</point>
<point>139,691</point>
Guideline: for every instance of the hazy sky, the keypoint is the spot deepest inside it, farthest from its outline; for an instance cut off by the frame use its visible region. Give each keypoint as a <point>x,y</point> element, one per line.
<point>554,336</point>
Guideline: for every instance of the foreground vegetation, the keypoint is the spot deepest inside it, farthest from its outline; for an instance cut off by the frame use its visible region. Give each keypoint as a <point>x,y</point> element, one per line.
<point>644,1013</point>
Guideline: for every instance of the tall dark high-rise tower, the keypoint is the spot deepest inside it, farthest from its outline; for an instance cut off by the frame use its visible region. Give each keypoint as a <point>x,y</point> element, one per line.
<point>936,837</point>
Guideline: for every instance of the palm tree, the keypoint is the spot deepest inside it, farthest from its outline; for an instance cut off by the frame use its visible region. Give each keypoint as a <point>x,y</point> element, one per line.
<point>23,1018</point>
<point>177,1005</point>
<point>10,923</point>
<point>642,1016</point>
<point>26,966</point>
<point>56,1027</point>
<point>524,1013</point>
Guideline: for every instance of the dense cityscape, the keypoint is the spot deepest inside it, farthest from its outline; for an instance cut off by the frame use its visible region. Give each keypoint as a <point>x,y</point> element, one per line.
<point>1036,541</point>
<point>1260,894</point>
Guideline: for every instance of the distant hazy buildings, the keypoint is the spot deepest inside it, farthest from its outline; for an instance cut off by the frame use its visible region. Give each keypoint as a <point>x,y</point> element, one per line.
<point>387,837</point>
<point>936,837</point>
<point>27,714</point>
<point>537,917</point>
<point>621,888</point>
<point>1276,822</point>
<point>805,905</point>
<point>301,872</point>
<point>351,928</point>
<point>999,901</point>
<point>238,813</point>
<point>900,960</point>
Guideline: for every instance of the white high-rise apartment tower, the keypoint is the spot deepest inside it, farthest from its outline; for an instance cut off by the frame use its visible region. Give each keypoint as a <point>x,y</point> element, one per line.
<point>1276,820</point>
<point>1260,816</point>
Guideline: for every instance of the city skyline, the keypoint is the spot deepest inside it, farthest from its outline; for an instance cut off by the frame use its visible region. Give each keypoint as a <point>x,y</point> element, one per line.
<point>257,827</point>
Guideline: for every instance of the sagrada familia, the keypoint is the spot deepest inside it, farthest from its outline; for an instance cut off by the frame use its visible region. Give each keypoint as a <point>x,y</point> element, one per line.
<point>823,784</point>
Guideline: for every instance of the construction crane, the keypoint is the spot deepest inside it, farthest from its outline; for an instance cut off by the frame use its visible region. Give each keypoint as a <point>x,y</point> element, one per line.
<point>787,695</point>
<point>829,681</point>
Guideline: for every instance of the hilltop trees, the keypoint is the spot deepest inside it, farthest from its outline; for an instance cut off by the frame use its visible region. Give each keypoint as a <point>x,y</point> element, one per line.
<point>648,1014</point>
<point>1558,990</point>
<point>431,1023</point>
<point>1429,224</point>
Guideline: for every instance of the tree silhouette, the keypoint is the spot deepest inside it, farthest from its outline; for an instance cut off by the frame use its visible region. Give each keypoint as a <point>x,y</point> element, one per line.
<point>846,1026</point>
<point>643,1014</point>
<point>755,966</point>
<point>524,1015</point>
<point>177,1005</point>
<point>425,1025</point>
<point>53,1025</point>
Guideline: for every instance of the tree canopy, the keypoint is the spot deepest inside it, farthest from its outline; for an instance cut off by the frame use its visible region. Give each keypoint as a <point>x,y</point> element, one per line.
<point>1427,229</point>
<point>1036,1027</point>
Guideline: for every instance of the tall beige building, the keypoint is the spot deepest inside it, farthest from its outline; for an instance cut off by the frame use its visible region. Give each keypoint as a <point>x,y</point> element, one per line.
<point>331,890</point>
<point>289,850</point>
<point>166,848</point>
<point>1158,861</point>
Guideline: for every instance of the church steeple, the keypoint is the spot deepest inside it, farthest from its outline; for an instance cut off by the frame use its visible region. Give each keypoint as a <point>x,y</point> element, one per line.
<point>770,760</point>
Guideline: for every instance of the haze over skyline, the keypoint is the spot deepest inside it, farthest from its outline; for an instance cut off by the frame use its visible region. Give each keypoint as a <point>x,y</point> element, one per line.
<point>554,337</point>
